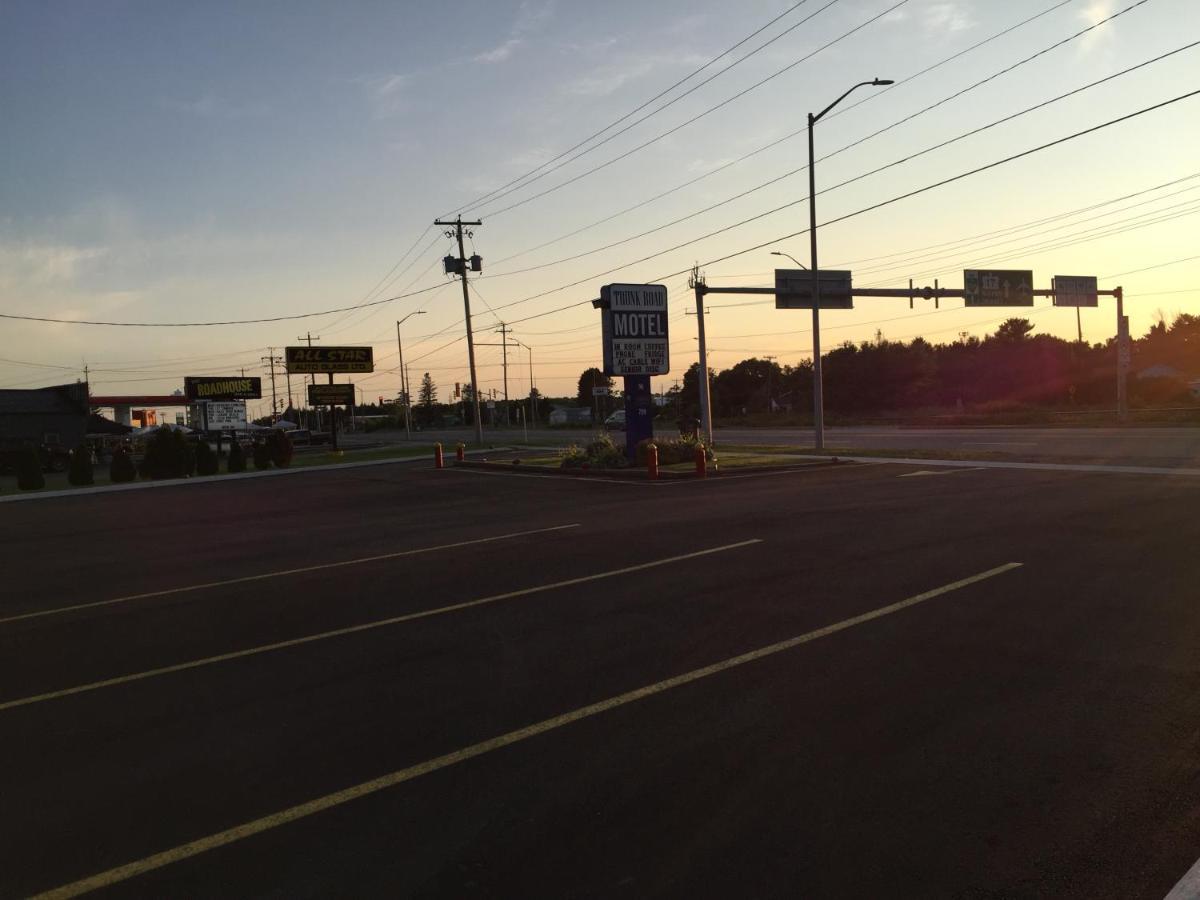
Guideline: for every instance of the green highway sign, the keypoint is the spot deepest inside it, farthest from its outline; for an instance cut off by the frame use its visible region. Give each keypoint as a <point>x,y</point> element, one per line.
<point>1075,290</point>
<point>794,289</point>
<point>998,287</point>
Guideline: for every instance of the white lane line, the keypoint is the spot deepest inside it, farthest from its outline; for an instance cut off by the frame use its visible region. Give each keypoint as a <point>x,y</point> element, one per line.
<point>1188,887</point>
<point>265,575</point>
<point>355,629</point>
<point>1000,443</point>
<point>1036,467</point>
<point>921,472</point>
<point>303,810</point>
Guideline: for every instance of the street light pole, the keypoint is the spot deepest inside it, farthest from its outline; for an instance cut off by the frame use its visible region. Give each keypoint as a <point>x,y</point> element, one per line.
<point>818,386</point>
<point>404,374</point>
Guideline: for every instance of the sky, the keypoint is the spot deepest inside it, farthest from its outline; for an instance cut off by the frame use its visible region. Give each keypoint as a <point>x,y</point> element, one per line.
<point>168,162</point>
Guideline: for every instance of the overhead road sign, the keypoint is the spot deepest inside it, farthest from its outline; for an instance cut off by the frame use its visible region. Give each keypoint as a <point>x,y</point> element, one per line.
<point>634,327</point>
<point>998,287</point>
<point>309,360</point>
<point>1075,290</point>
<point>794,289</point>
<point>331,395</point>
<point>207,387</point>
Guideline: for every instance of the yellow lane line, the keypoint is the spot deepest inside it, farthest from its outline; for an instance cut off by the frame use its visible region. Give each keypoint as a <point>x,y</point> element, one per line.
<point>355,629</point>
<point>303,810</point>
<point>265,575</point>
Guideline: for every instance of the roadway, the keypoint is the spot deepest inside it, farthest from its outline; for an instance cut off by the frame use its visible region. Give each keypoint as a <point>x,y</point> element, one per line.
<point>1165,446</point>
<point>395,681</point>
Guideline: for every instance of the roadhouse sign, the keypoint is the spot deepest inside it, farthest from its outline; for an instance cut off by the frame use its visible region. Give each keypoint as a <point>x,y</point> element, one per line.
<point>634,324</point>
<point>309,360</point>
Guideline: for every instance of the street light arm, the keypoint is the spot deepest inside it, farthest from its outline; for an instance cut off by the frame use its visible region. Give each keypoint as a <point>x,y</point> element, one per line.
<point>813,120</point>
<point>789,256</point>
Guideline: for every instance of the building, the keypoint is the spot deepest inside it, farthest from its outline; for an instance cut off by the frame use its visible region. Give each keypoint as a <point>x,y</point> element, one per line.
<point>55,416</point>
<point>570,415</point>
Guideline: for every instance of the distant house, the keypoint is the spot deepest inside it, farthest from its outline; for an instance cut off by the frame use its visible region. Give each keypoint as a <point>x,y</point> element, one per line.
<point>1161,370</point>
<point>57,416</point>
<point>570,415</point>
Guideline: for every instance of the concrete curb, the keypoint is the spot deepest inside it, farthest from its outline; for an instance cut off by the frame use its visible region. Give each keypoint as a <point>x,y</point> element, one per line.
<point>216,479</point>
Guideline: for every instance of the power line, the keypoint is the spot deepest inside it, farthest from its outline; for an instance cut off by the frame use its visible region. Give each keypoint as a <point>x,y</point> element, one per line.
<point>698,117</point>
<point>773,143</point>
<point>909,194</point>
<point>859,177</point>
<point>1148,268</point>
<point>500,191</point>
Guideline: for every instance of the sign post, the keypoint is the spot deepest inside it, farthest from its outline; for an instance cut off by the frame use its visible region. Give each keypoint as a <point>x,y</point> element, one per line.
<point>636,346</point>
<point>312,360</point>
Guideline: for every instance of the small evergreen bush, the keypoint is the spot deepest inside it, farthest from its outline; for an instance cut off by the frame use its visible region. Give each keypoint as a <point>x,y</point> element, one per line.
<point>29,470</point>
<point>280,446</point>
<point>237,457</point>
<point>121,468</point>
<point>80,471</point>
<point>262,455</point>
<point>206,460</point>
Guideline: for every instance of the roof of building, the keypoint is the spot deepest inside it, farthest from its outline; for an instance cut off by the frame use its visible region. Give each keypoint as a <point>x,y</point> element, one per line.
<point>60,399</point>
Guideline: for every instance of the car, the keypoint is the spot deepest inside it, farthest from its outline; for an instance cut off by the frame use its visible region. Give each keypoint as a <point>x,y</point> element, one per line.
<point>616,421</point>
<point>54,458</point>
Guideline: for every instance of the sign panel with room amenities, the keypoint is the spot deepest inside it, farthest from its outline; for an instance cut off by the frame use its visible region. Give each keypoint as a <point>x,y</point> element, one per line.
<point>634,327</point>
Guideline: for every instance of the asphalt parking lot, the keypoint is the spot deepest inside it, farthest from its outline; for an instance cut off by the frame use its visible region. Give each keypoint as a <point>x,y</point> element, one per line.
<point>396,681</point>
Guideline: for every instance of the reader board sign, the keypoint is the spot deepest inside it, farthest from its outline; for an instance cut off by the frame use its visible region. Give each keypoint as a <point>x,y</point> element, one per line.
<point>1075,290</point>
<point>330,394</point>
<point>206,387</point>
<point>226,416</point>
<point>998,287</point>
<point>309,360</point>
<point>794,289</point>
<point>634,325</point>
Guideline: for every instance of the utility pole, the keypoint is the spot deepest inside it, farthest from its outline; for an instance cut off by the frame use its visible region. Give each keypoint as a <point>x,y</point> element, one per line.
<point>1122,357</point>
<point>705,402</point>
<point>404,374</point>
<point>460,268</point>
<point>532,417</point>
<point>503,329</point>
<point>770,372</point>
<point>312,379</point>
<point>270,360</point>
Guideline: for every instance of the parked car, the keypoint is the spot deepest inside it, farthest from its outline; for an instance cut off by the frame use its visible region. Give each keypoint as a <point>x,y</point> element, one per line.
<point>616,421</point>
<point>54,458</point>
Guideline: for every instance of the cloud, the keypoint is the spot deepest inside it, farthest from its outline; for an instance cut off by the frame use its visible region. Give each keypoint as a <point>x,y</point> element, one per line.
<point>532,16</point>
<point>1092,14</point>
<point>617,72</point>
<point>34,262</point>
<point>498,54</point>
<point>211,106</point>
<point>386,92</point>
<point>947,18</point>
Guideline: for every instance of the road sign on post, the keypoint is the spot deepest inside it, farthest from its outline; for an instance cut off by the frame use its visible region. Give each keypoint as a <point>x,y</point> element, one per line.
<point>794,289</point>
<point>307,360</point>
<point>1075,290</point>
<point>998,287</point>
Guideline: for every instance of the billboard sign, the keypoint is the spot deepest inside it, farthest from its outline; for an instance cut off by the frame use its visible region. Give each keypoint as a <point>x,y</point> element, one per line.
<point>226,416</point>
<point>330,394</point>
<point>634,326</point>
<point>794,289</point>
<point>206,387</point>
<point>309,360</point>
<point>998,287</point>
<point>1075,290</point>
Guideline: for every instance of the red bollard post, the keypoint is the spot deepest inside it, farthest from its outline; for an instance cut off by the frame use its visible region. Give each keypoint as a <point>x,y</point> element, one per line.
<point>651,462</point>
<point>437,457</point>
<point>701,462</point>
<point>461,453</point>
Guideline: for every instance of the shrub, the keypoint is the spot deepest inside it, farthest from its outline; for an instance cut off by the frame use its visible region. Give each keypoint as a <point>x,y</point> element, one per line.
<point>29,470</point>
<point>280,447</point>
<point>80,470</point>
<point>572,457</point>
<point>600,453</point>
<point>121,469</point>
<point>168,455</point>
<point>206,460</point>
<point>261,454</point>
<point>237,457</point>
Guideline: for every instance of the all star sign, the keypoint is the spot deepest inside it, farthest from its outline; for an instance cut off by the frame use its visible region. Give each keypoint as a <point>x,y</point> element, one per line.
<point>634,325</point>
